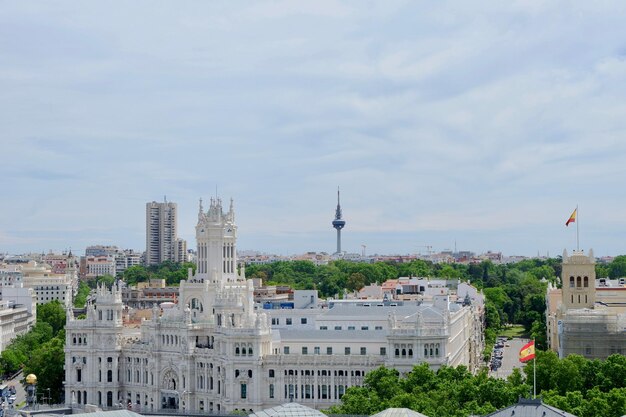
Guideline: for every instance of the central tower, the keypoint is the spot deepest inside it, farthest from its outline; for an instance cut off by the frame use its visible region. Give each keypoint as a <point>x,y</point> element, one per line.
<point>338,223</point>
<point>216,235</point>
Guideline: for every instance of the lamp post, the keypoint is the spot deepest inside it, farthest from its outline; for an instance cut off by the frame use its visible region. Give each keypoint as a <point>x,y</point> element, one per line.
<point>49,400</point>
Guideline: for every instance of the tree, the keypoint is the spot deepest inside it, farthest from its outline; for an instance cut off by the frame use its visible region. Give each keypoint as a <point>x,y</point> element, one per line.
<point>47,363</point>
<point>81,295</point>
<point>52,313</point>
<point>355,281</point>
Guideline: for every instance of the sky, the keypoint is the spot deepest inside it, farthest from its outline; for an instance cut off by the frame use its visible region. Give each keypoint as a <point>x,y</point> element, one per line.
<point>478,125</point>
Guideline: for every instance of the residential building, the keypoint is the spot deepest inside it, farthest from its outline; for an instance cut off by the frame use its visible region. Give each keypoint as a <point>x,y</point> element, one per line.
<point>217,350</point>
<point>98,266</point>
<point>161,233</point>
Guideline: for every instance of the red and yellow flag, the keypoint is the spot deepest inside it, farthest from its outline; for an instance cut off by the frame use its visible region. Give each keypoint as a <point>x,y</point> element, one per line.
<point>527,352</point>
<point>572,218</point>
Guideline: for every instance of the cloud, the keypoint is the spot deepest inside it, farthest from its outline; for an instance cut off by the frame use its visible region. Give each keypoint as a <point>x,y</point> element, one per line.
<point>477,121</point>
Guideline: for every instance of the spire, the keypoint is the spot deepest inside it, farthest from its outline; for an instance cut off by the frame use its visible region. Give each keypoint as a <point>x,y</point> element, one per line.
<point>338,211</point>
<point>338,223</point>
<point>200,209</point>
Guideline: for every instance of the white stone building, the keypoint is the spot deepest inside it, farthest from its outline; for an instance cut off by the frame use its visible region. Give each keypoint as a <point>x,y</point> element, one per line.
<point>218,351</point>
<point>15,320</point>
<point>49,285</point>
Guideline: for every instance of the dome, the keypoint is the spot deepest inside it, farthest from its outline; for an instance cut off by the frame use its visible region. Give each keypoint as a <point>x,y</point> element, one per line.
<point>31,379</point>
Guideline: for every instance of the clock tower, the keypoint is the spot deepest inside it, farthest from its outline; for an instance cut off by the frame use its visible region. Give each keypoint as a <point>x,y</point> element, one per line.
<point>216,236</point>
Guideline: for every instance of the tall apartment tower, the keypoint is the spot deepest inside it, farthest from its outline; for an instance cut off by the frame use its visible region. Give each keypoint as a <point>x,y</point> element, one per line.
<point>161,232</point>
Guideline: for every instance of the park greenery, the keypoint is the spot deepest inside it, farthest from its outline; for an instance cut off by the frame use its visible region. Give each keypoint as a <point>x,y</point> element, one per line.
<point>171,272</point>
<point>40,351</point>
<point>585,388</point>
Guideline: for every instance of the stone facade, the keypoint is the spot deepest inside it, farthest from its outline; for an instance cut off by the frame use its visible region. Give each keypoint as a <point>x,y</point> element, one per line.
<point>219,351</point>
<point>586,316</point>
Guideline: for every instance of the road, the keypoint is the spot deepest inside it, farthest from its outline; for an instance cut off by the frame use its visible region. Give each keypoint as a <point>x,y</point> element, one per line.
<point>510,358</point>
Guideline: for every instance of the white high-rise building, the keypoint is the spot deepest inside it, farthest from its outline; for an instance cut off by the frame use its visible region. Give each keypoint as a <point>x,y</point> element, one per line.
<point>218,351</point>
<point>161,232</point>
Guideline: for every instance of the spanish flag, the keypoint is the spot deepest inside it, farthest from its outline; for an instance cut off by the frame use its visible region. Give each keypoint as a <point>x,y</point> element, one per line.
<point>527,352</point>
<point>572,218</point>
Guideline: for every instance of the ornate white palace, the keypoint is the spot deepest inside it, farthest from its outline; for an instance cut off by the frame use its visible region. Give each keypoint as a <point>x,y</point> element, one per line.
<point>216,351</point>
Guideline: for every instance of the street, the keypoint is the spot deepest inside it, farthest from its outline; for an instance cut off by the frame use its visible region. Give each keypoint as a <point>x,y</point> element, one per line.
<point>510,358</point>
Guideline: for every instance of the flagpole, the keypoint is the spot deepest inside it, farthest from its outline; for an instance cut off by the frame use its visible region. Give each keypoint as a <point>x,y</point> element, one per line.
<point>535,372</point>
<point>577,222</point>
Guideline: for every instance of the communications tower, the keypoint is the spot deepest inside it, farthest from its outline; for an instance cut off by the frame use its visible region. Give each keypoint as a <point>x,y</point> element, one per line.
<point>338,223</point>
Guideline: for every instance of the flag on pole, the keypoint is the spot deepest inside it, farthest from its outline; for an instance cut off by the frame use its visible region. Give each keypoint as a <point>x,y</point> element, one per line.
<point>527,352</point>
<point>572,218</point>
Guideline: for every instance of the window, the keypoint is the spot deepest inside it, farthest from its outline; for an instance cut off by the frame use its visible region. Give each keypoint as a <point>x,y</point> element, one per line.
<point>109,359</point>
<point>109,376</point>
<point>378,328</point>
<point>303,320</point>
<point>286,350</point>
<point>244,391</point>
<point>78,375</point>
<point>316,350</point>
<point>571,282</point>
<point>288,321</point>
<point>329,350</point>
<point>383,351</point>
<point>271,373</point>
<point>347,350</point>
<point>275,321</point>
<point>323,327</point>
<point>350,327</point>
<point>337,327</point>
<point>364,328</point>
<point>363,351</point>
<point>271,390</point>
<point>305,350</point>
<point>586,282</point>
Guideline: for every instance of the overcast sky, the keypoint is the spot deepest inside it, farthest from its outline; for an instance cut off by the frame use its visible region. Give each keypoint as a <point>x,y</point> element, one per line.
<point>480,123</point>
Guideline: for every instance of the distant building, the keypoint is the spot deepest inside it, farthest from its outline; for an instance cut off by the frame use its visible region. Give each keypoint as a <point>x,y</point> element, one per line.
<point>149,294</point>
<point>101,250</point>
<point>162,243</point>
<point>98,266</point>
<point>586,316</point>
<point>49,285</point>
<point>15,320</point>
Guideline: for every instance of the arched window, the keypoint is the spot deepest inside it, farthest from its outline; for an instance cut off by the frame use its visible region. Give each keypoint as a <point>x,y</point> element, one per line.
<point>578,282</point>
<point>403,353</point>
<point>586,282</point>
<point>397,352</point>
<point>244,351</point>
<point>431,349</point>
<point>571,282</point>
<point>437,349</point>
<point>410,353</point>
<point>425,350</point>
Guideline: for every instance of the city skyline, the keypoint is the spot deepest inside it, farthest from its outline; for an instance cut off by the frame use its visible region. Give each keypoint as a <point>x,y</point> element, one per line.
<point>477,124</point>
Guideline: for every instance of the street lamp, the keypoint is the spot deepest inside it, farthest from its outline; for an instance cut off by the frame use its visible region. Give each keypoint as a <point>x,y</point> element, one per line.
<point>49,400</point>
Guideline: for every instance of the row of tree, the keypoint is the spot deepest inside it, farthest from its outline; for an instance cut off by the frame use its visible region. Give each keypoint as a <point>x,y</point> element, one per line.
<point>40,351</point>
<point>585,388</point>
